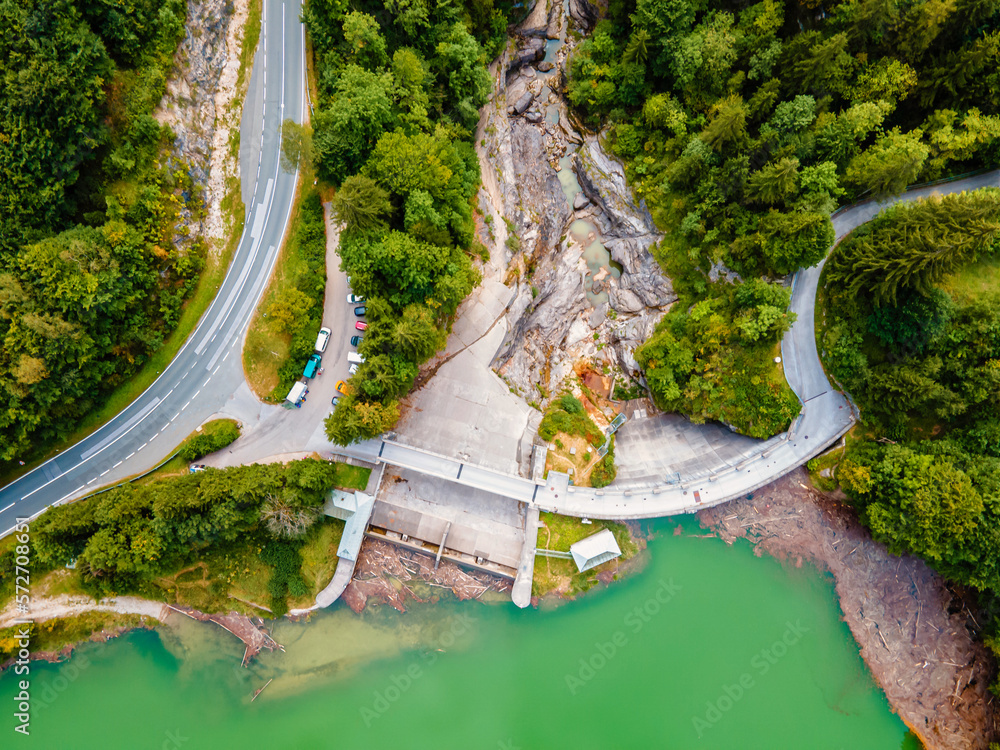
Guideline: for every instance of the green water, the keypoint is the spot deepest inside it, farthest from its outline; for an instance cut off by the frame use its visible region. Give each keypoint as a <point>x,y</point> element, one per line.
<point>681,655</point>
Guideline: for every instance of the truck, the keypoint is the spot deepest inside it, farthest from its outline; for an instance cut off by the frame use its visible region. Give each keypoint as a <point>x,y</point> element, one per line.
<point>312,366</point>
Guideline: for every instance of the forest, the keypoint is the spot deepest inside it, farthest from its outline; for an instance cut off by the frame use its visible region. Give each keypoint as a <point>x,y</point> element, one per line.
<point>912,332</point>
<point>92,271</point>
<point>127,539</point>
<point>743,126</point>
<point>401,85</point>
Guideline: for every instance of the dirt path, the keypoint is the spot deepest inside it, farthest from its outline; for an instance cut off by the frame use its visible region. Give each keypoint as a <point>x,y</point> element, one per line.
<point>915,633</point>
<point>70,606</point>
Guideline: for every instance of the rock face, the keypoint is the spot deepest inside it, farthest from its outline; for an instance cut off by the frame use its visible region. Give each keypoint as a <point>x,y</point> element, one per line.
<point>628,228</point>
<point>551,323</point>
<point>582,12</point>
<point>198,98</point>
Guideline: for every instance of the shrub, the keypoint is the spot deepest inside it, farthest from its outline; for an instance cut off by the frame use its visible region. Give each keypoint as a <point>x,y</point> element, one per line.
<point>209,442</point>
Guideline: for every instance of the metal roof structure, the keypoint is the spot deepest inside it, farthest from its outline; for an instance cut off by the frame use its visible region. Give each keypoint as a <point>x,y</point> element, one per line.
<point>594,550</point>
<point>355,510</point>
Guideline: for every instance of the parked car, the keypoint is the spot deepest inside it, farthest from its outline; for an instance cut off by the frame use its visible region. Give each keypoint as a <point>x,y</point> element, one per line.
<point>361,325</point>
<point>355,359</point>
<point>336,400</point>
<point>356,341</point>
<point>312,366</point>
<point>322,340</point>
<point>352,369</point>
<point>360,311</point>
<point>343,388</point>
<point>195,468</point>
<point>353,299</point>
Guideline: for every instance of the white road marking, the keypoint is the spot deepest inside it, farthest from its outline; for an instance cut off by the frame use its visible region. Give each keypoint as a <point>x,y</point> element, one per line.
<point>129,455</point>
<point>120,431</point>
<point>185,406</point>
<point>143,445</point>
<point>105,472</point>
<point>9,507</point>
<point>154,438</point>
<point>175,416</point>
<point>207,381</point>
<point>216,369</point>
<point>117,464</point>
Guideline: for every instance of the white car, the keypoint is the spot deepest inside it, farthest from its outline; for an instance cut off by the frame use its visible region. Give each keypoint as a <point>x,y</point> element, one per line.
<point>322,340</point>
<point>355,359</point>
<point>353,299</point>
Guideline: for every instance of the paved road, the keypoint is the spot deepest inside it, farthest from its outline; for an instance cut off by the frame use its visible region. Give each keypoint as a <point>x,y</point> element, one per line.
<point>825,416</point>
<point>201,379</point>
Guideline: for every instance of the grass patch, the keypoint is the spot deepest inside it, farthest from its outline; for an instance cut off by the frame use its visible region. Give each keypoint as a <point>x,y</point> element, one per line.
<point>351,477</point>
<point>974,281</point>
<point>319,559</point>
<point>827,462</point>
<point>53,635</point>
<point>555,575</point>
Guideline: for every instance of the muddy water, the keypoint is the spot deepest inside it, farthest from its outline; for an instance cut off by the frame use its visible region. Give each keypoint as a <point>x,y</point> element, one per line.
<point>708,647</point>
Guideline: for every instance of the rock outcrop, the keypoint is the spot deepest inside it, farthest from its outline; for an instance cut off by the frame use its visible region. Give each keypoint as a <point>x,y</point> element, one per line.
<point>198,103</point>
<point>551,322</point>
<point>628,228</point>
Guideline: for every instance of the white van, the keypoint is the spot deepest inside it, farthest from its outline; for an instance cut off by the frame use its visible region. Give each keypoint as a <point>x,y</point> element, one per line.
<point>322,340</point>
<point>354,358</point>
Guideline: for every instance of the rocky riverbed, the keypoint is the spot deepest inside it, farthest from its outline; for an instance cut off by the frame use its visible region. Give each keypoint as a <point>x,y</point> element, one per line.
<point>542,175</point>
<point>916,634</point>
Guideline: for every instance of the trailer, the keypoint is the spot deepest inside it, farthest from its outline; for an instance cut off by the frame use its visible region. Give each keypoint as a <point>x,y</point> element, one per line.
<point>296,395</point>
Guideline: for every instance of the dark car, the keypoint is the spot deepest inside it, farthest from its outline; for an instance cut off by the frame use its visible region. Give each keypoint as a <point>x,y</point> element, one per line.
<point>355,340</point>
<point>336,400</point>
<point>360,311</point>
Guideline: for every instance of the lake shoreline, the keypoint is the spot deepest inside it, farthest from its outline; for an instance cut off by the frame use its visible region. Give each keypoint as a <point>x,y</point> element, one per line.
<point>933,671</point>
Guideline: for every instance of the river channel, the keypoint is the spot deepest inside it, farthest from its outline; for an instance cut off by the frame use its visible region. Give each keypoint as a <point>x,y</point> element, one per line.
<point>707,647</point>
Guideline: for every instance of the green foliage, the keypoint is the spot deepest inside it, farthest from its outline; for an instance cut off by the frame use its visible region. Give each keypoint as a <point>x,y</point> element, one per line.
<point>125,538</point>
<point>712,361</point>
<point>298,309</point>
<point>222,433</point>
<point>912,247</point>
<point>755,120</point>
<point>401,85</point>
<point>570,404</point>
<point>919,363</point>
<point>92,271</point>
<point>296,145</point>
<point>931,499</point>
<point>572,421</point>
<point>286,573</point>
<point>604,472</point>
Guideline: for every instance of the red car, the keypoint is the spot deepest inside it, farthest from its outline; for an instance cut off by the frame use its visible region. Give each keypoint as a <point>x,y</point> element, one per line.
<point>361,325</point>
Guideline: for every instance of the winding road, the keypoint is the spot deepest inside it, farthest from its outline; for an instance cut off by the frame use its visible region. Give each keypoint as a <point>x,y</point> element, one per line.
<point>825,416</point>
<point>207,372</point>
<point>204,374</point>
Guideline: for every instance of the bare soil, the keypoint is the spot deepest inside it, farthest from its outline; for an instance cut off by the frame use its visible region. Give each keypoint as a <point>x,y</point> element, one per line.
<point>384,570</point>
<point>916,633</point>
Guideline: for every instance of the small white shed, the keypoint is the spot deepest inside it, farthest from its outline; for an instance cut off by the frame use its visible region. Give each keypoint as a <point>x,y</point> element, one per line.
<point>594,550</point>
